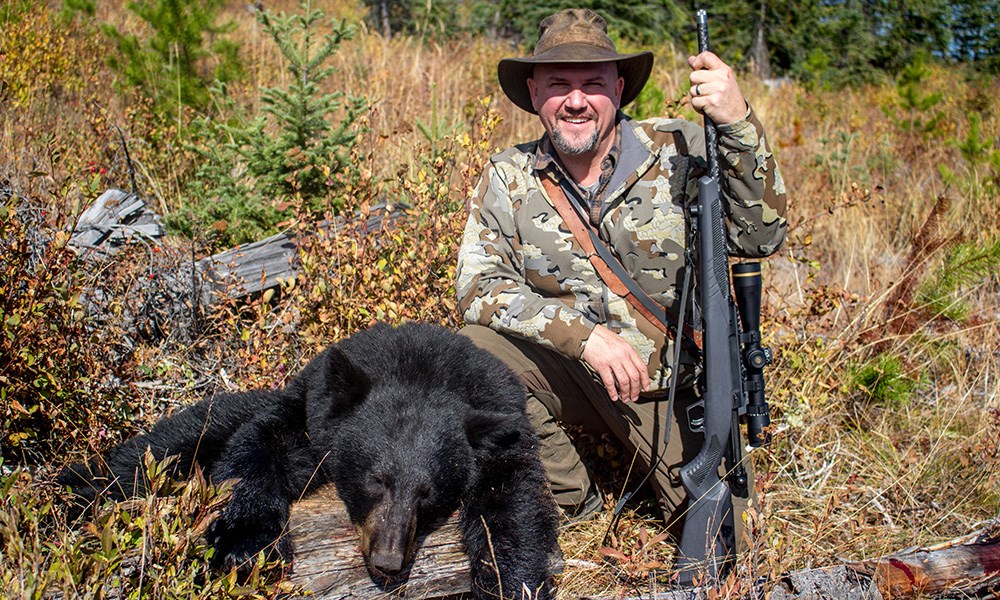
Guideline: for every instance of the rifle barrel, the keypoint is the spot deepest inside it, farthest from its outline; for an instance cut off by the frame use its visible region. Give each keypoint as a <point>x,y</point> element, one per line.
<point>711,135</point>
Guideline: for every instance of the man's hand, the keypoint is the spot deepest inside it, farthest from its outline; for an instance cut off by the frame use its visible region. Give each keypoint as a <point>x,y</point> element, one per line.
<point>714,91</point>
<point>620,368</point>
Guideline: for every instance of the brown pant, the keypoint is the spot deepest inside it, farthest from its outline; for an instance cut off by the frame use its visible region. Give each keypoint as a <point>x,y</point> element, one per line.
<point>560,389</point>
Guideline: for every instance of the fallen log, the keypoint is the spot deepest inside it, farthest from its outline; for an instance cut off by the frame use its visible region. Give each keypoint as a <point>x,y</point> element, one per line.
<point>328,561</point>
<point>248,269</point>
<point>118,217</point>
<point>833,583</point>
<point>838,582</point>
<point>962,568</point>
<point>176,287</point>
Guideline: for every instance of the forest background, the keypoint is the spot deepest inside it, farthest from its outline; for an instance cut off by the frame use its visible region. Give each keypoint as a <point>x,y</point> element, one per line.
<point>241,120</point>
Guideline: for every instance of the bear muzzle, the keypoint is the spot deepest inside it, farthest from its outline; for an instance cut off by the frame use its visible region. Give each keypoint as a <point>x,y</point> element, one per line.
<point>387,538</point>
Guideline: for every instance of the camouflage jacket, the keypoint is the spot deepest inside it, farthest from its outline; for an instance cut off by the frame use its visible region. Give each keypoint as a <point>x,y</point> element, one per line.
<point>520,271</point>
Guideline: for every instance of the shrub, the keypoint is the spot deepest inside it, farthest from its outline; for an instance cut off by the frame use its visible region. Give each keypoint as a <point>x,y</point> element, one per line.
<point>150,548</point>
<point>55,380</point>
<point>36,57</point>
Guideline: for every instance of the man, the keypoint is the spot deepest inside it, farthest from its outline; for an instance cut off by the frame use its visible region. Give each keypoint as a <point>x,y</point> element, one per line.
<point>529,293</point>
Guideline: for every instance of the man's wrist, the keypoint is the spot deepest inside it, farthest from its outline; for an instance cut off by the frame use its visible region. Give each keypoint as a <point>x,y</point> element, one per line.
<point>738,124</point>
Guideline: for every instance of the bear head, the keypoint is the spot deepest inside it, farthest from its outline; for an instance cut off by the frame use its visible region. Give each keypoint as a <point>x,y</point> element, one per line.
<point>402,453</point>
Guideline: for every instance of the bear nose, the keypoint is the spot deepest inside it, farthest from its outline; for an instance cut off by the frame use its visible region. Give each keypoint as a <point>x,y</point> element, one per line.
<point>388,562</point>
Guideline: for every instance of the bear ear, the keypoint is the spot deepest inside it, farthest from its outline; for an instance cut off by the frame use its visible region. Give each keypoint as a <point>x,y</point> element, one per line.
<point>487,430</point>
<point>345,383</point>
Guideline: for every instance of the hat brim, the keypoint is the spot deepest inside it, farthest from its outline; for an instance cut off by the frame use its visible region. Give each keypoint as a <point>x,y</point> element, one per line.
<point>513,73</point>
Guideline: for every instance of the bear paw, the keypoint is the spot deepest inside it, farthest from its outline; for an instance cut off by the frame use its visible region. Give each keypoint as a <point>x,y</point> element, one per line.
<point>237,544</point>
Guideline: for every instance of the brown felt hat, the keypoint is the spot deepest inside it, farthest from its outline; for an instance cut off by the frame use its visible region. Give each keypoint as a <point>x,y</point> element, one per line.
<point>575,35</point>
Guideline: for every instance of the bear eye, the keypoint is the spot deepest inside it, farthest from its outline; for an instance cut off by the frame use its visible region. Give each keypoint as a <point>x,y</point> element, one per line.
<point>377,484</point>
<point>381,483</point>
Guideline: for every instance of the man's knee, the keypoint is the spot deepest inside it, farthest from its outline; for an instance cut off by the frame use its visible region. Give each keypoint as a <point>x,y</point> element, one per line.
<point>500,345</point>
<point>481,336</point>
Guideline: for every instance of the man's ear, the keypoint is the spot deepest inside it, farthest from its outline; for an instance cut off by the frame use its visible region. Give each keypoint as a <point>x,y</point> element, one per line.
<point>533,92</point>
<point>489,430</point>
<point>345,384</point>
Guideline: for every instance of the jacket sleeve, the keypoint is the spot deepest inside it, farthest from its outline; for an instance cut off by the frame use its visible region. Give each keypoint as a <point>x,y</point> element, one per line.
<point>753,187</point>
<point>491,284</point>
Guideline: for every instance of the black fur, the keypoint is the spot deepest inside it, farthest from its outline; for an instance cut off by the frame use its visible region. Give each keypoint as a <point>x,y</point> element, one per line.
<point>410,423</point>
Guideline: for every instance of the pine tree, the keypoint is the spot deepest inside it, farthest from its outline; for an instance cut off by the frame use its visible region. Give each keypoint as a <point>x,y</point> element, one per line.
<point>170,65</point>
<point>823,43</point>
<point>975,32</point>
<point>298,147</point>
<point>426,18</point>
<point>633,21</point>
<point>309,145</point>
<point>910,28</point>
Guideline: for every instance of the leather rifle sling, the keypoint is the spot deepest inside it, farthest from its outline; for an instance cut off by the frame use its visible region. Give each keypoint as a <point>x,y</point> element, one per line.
<point>613,273</point>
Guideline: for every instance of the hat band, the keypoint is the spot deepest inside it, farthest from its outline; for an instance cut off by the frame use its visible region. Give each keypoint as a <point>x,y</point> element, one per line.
<point>571,53</point>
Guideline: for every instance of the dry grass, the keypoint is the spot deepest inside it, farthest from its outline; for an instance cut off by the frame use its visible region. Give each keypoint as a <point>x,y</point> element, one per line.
<point>848,475</point>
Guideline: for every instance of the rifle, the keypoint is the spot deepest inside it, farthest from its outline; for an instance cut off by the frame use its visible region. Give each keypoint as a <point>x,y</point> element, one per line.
<point>733,378</point>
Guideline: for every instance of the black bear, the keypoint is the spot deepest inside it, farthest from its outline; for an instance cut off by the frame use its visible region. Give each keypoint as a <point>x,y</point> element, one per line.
<point>410,423</point>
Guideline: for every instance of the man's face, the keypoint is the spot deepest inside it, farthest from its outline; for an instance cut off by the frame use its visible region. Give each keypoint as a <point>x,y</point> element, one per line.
<point>577,104</point>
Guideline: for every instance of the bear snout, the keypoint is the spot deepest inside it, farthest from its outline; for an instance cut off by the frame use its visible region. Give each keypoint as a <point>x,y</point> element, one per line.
<point>387,538</point>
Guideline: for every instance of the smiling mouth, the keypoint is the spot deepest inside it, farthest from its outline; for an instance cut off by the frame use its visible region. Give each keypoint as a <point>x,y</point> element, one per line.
<point>576,120</point>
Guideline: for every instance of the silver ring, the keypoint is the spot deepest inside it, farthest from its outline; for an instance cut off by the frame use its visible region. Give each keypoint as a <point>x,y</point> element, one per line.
<point>697,90</point>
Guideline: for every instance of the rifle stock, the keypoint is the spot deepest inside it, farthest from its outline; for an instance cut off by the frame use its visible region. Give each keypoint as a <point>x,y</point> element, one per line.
<point>707,540</point>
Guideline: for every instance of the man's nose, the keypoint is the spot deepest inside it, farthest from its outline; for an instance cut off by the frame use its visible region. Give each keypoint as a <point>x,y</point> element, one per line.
<point>576,99</point>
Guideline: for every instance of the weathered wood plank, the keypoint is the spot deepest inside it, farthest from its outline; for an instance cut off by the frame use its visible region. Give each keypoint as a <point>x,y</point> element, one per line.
<point>171,296</point>
<point>117,216</point>
<point>257,266</point>
<point>328,561</point>
<point>113,219</point>
<point>248,268</point>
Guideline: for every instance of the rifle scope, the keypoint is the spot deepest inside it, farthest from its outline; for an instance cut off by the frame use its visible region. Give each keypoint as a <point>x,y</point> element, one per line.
<point>746,290</point>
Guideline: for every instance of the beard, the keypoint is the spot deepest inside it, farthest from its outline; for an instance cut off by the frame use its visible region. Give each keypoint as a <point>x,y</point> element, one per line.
<point>572,147</point>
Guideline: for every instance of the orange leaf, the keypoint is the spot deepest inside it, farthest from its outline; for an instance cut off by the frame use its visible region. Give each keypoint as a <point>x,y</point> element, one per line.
<point>612,553</point>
